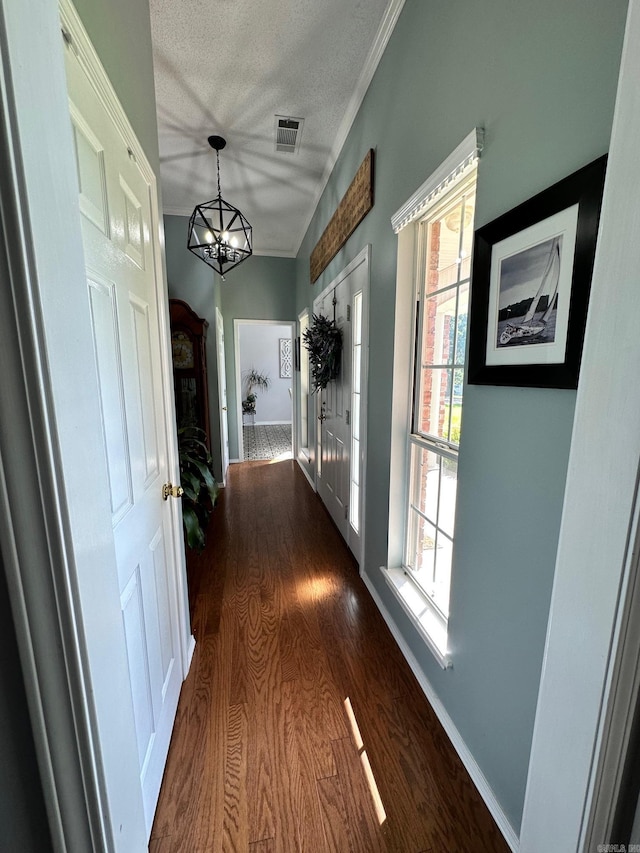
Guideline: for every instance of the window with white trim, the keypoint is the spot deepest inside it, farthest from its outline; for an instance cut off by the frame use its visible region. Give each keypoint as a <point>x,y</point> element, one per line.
<point>442,299</point>
<point>435,231</point>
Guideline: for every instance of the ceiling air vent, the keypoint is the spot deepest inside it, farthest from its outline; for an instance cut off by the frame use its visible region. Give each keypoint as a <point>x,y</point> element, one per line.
<point>288,132</point>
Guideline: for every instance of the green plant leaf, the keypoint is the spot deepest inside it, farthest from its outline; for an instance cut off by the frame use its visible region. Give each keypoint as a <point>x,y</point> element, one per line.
<point>193,530</point>
<point>190,481</point>
<point>189,493</point>
<point>195,476</point>
<point>209,481</point>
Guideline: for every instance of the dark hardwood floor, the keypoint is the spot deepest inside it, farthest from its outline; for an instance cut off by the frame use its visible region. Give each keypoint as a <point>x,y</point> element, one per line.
<point>300,726</point>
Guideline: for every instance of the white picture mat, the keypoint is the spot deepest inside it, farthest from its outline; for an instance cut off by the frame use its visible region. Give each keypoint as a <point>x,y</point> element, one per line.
<point>563,224</point>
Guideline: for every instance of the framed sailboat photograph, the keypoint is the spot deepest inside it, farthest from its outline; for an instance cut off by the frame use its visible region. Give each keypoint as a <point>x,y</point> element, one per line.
<point>530,286</point>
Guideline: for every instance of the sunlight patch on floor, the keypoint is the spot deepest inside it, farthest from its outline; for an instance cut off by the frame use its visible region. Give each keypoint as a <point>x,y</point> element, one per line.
<point>364,758</point>
<point>281,457</point>
<point>315,589</point>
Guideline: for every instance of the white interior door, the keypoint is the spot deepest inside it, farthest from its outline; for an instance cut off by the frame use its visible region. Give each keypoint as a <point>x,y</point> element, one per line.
<point>121,275</point>
<point>222,393</point>
<point>341,406</point>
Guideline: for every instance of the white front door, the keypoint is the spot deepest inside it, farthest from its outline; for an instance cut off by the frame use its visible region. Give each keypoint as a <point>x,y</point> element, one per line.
<point>341,406</point>
<point>222,396</point>
<point>126,317</point>
<point>334,415</point>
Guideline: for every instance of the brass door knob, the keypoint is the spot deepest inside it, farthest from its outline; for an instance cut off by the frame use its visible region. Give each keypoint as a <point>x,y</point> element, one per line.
<point>170,491</point>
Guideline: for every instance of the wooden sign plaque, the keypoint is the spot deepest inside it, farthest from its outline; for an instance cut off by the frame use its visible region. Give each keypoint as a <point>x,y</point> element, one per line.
<point>354,206</point>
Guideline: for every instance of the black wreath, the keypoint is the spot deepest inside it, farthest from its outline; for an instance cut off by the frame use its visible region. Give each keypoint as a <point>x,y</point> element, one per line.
<point>323,340</point>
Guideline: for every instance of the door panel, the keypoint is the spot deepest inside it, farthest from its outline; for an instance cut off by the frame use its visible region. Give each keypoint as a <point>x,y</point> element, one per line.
<point>133,225</point>
<point>91,173</point>
<point>116,226</point>
<point>143,397</point>
<point>134,629</point>
<point>105,334</point>
<point>159,593</point>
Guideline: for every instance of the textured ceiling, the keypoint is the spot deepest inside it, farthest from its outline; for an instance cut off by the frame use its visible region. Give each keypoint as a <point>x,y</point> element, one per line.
<point>228,67</point>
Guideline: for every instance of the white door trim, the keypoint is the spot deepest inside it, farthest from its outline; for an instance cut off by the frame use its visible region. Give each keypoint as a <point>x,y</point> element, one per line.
<point>37,521</point>
<point>36,554</point>
<point>222,410</point>
<point>238,385</point>
<point>567,795</point>
<point>55,533</point>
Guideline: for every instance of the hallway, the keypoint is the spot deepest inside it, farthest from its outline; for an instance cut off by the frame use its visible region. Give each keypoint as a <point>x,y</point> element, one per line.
<point>300,726</point>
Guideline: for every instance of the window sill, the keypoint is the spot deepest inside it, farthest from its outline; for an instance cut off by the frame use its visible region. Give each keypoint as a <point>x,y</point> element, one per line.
<point>420,611</point>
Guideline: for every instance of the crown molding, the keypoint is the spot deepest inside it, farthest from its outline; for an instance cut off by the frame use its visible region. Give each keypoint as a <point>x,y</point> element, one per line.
<point>275,253</point>
<point>374,56</point>
<point>458,163</point>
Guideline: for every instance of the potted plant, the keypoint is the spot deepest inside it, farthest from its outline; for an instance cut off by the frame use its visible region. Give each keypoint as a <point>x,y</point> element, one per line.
<point>199,484</point>
<point>253,379</point>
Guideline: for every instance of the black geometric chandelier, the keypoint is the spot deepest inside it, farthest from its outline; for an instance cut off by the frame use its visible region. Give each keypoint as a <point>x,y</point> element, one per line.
<point>218,233</point>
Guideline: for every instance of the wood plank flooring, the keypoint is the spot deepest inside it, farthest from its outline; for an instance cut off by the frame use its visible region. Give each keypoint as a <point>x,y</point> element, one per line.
<point>300,726</point>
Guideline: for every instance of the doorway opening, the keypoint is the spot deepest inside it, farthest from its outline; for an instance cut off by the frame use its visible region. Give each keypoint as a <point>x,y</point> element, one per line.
<point>265,389</point>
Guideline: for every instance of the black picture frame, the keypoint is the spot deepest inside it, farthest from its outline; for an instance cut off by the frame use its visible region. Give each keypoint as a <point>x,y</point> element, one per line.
<point>552,236</point>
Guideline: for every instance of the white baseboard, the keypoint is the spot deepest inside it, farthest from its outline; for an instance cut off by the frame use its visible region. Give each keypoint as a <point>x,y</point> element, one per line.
<point>448,725</point>
<point>231,461</point>
<point>306,474</point>
<point>271,423</point>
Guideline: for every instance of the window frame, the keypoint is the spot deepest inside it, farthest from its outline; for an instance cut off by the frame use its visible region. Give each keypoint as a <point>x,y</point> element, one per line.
<point>443,447</point>
<point>450,180</point>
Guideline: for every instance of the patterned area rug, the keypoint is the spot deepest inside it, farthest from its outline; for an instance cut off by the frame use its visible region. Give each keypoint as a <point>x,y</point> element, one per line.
<point>267,442</point>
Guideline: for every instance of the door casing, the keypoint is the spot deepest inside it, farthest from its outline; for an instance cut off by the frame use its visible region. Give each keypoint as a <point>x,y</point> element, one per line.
<point>238,383</point>
<point>60,567</point>
<point>222,396</point>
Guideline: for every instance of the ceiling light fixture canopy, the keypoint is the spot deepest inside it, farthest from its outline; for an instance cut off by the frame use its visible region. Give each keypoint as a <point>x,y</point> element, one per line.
<point>218,233</point>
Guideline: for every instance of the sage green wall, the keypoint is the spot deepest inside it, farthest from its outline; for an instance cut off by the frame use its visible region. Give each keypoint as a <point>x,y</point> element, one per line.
<point>120,31</point>
<point>541,79</point>
<point>261,288</point>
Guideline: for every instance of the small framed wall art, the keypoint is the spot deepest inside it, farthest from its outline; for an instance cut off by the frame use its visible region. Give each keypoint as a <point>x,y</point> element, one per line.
<point>286,358</point>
